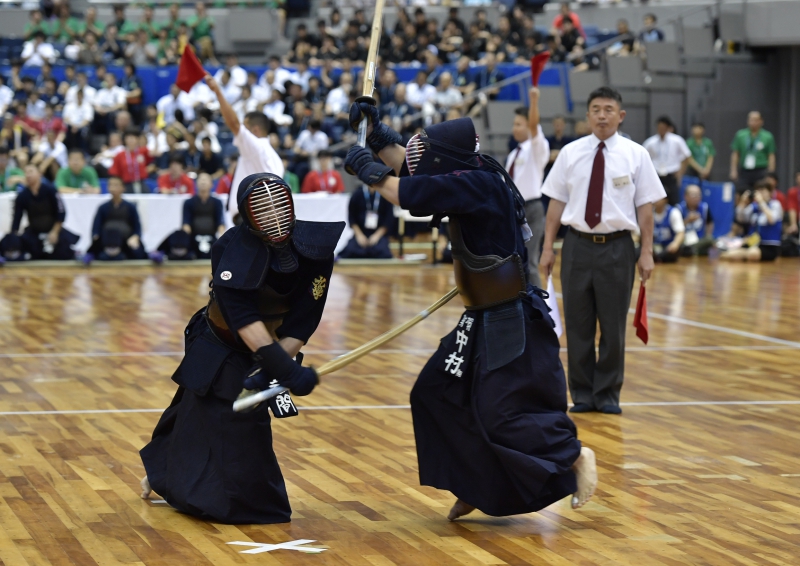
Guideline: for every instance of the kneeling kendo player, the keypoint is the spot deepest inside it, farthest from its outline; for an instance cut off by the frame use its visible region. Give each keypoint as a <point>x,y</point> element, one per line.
<point>269,286</point>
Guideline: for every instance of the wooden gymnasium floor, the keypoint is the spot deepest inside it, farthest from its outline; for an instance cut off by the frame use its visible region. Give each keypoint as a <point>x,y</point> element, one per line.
<point>703,467</point>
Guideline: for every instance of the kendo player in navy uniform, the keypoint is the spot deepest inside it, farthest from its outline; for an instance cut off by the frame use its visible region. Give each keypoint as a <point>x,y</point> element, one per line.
<point>489,408</point>
<point>116,231</point>
<point>203,217</point>
<point>269,286</point>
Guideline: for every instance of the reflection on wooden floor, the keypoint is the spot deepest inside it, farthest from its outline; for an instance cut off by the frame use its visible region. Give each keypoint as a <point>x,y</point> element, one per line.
<point>703,467</point>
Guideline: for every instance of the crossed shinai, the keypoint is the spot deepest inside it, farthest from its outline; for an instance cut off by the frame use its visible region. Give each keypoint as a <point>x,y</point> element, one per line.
<point>292,545</point>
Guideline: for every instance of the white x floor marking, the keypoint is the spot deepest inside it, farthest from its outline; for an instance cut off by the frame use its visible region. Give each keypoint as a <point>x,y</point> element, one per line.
<point>293,545</point>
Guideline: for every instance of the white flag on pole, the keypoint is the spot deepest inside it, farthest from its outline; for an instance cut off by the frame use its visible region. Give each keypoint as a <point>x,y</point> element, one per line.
<point>552,302</point>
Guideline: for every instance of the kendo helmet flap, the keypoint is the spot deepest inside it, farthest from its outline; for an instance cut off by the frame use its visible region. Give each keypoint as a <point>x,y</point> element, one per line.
<point>267,208</point>
<point>443,148</point>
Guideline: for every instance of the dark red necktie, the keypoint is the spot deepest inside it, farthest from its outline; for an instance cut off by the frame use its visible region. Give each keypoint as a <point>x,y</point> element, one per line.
<point>514,162</point>
<point>594,200</point>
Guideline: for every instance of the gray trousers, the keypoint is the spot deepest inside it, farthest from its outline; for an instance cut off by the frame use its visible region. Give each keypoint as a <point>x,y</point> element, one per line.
<point>534,214</point>
<point>597,281</point>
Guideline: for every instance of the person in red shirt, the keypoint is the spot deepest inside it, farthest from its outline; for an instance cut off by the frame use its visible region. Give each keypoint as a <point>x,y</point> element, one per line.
<point>130,165</point>
<point>793,205</point>
<point>175,181</point>
<point>326,179</point>
<point>565,11</point>
<point>224,184</point>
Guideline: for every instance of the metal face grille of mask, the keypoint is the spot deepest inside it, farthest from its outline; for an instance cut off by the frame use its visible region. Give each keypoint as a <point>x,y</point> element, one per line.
<point>414,150</point>
<point>271,210</point>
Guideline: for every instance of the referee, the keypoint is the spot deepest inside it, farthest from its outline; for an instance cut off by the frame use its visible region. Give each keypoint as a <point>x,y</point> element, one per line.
<point>602,186</point>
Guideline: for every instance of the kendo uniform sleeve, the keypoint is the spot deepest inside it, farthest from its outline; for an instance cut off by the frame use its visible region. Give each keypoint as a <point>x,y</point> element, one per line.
<point>460,192</point>
<point>219,219</point>
<point>20,205</point>
<point>58,204</point>
<point>136,225</point>
<point>356,209</point>
<point>187,211</point>
<point>312,292</point>
<point>99,220</point>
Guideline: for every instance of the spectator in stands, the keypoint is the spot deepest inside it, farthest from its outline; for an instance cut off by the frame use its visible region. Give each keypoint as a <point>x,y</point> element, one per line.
<point>670,156</point>
<point>371,218</point>
<point>753,153</point>
<point>35,24</point>
<point>337,26</point>
<point>113,48</point>
<point>203,218</point>
<point>398,109</point>
<point>168,104</point>
<point>6,96</point>
<point>698,222</point>
<point>419,92</point>
<point>230,90</point>
<point>337,102</point>
<point>65,28</point>
<point>557,141</point>
<point>82,84</point>
<point>10,176</point>
<point>90,23</point>
<point>90,52</point>
<point>463,76</point>
<point>130,164</point>
<point>650,33</point>
<point>489,76</point>
<point>625,46</point>
<point>482,21</point>
<point>36,51</point>
<point>570,36</point>
<point>202,26</point>
<point>35,107</point>
<point>116,231</point>
<point>175,181</point>
<point>104,160</point>
<point>142,52</point>
<point>566,12</point>
<point>224,184</point>
<point>702,159</point>
<point>246,103</point>
<point>51,155</point>
<point>582,61</point>
<point>765,215</point>
<point>44,238</point>
<point>557,52</point>
<point>447,96</point>
<point>237,74</point>
<point>50,95</point>
<point>325,179</point>
<point>108,100</point>
<point>77,177</point>
<point>148,25</point>
<point>123,25</point>
<point>668,232</point>
<point>174,22</point>
<point>210,162</point>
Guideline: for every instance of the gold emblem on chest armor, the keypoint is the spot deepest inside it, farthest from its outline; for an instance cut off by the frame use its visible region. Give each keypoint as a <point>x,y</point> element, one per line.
<point>318,287</point>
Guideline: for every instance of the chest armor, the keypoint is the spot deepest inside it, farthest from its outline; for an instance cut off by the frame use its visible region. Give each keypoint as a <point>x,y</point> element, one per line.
<point>485,281</point>
<point>203,219</point>
<point>119,221</point>
<point>41,215</point>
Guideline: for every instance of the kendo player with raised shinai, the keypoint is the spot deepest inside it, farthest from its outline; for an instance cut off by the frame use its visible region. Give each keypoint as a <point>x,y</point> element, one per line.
<point>268,290</point>
<point>489,408</point>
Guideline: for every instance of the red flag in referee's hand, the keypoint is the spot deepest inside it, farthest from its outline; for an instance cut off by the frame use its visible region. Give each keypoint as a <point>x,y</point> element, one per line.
<point>537,66</point>
<point>190,70</point>
<point>640,318</point>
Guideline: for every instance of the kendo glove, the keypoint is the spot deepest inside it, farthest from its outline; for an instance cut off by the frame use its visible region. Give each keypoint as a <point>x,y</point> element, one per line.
<point>359,162</point>
<point>381,135</point>
<point>277,365</point>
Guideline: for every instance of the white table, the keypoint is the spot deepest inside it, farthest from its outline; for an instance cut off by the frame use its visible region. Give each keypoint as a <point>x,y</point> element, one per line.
<point>161,215</point>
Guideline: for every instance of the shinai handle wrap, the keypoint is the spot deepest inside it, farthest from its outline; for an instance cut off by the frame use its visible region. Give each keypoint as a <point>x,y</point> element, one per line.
<point>371,66</point>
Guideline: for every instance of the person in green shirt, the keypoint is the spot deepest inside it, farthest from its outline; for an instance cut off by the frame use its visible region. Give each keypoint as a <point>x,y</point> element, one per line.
<point>77,177</point>
<point>10,177</point>
<point>753,154</point>
<point>703,152</point>
<point>35,24</point>
<point>148,25</point>
<point>91,24</point>
<point>65,28</point>
<point>174,21</point>
<point>201,25</point>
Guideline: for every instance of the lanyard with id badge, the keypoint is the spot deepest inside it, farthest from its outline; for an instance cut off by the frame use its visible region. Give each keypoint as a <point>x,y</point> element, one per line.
<point>371,219</point>
<point>755,145</point>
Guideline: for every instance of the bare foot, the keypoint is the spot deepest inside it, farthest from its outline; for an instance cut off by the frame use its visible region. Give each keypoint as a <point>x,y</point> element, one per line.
<point>146,489</point>
<point>459,510</point>
<point>585,469</point>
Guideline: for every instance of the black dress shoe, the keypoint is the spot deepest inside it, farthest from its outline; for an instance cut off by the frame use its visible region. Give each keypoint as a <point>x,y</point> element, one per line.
<point>581,408</point>
<point>611,410</point>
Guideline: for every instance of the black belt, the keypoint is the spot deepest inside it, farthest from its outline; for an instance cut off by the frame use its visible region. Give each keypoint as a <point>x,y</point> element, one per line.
<point>600,238</point>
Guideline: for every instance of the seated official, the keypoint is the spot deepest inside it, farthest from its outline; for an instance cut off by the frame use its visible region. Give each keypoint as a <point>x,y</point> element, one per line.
<point>370,217</point>
<point>203,217</point>
<point>765,217</point>
<point>698,222</point>
<point>44,238</point>
<point>117,232</point>
<point>668,232</point>
<point>175,181</point>
<point>325,179</point>
<point>77,177</point>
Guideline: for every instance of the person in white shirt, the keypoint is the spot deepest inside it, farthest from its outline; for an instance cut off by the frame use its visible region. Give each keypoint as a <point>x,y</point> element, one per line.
<point>338,99</point>
<point>275,108</point>
<point>525,165</point>
<point>51,154</point>
<point>37,51</point>
<point>602,186</point>
<point>420,92</point>
<point>230,90</point>
<point>279,74</point>
<point>250,136</point>
<point>34,108</point>
<point>6,96</point>
<point>245,104</point>
<point>670,155</point>
<point>82,84</point>
<point>78,116</point>
<point>105,159</point>
<point>311,140</point>
<point>201,96</point>
<point>108,100</point>
<point>259,92</point>
<point>175,100</point>
<point>447,96</point>
<point>238,75</point>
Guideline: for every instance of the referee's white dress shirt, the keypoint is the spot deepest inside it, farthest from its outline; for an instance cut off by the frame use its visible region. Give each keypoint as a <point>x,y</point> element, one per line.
<point>668,153</point>
<point>630,181</point>
<point>256,155</point>
<point>529,160</point>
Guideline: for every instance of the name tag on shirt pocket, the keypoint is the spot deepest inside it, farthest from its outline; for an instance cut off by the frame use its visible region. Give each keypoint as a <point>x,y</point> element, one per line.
<point>620,182</point>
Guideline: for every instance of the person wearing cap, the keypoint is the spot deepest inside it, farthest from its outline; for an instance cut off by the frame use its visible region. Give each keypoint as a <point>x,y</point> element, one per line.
<point>270,281</point>
<point>603,187</point>
<point>490,407</point>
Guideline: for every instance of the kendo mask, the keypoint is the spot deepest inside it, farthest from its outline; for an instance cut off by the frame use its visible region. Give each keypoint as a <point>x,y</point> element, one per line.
<point>267,208</point>
<point>443,148</point>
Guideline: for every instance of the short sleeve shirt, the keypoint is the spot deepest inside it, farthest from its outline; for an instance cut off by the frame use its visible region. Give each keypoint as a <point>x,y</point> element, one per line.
<point>87,177</point>
<point>702,150</point>
<point>754,151</point>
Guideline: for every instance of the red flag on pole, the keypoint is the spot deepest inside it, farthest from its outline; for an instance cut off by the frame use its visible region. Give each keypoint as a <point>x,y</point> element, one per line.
<point>640,318</point>
<point>537,66</point>
<point>190,70</point>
